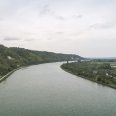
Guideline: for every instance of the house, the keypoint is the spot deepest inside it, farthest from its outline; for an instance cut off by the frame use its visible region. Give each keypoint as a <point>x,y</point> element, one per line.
<point>9,57</point>
<point>107,75</point>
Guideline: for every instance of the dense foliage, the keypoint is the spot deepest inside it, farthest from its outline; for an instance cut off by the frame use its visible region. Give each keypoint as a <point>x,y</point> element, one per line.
<point>99,72</point>
<point>11,58</point>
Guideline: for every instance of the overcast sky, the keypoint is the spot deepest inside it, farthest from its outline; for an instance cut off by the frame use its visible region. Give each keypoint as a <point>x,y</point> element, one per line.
<point>83,27</point>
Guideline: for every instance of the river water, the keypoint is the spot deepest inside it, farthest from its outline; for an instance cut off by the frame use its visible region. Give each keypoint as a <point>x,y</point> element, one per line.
<point>47,90</point>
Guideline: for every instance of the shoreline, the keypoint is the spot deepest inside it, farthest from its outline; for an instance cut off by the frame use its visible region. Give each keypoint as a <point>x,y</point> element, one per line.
<point>8,74</point>
<point>88,78</point>
<point>23,67</point>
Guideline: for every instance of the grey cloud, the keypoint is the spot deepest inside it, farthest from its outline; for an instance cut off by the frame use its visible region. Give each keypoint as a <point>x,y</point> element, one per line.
<point>103,26</point>
<point>29,39</point>
<point>60,17</point>
<point>45,10</point>
<point>60,32</point>
<point>11,38</point>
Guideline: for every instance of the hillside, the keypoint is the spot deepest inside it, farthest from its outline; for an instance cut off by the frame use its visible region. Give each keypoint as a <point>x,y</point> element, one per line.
<point>11,58</point>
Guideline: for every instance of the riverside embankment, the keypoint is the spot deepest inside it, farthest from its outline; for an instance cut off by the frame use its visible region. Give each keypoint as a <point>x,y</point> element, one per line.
<point>7,75</point>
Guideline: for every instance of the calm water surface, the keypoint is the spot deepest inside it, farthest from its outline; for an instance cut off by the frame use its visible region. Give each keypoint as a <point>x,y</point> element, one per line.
<point>47,90</point>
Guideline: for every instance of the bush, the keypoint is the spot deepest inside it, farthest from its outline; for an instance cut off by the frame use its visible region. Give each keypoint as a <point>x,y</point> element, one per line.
<point>107,83</point>
<point>103,81</point>
<point>98,79</point>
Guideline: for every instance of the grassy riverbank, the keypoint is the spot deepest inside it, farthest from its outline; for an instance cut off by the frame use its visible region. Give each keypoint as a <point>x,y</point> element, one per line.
<point>95,74</point>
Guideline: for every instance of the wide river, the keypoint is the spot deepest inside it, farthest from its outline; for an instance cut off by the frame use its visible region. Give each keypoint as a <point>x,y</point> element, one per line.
<point>47,90</point>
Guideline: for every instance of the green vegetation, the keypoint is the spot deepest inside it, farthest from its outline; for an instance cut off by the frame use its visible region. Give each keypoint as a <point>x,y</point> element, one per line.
<point>12,58</point>
<point>99,72</point>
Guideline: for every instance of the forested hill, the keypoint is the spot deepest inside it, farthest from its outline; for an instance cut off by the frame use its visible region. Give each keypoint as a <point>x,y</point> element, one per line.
<point>11,58</point>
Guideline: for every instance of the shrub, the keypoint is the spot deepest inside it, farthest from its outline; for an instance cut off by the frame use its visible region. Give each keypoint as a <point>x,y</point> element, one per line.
<point>98,79</point>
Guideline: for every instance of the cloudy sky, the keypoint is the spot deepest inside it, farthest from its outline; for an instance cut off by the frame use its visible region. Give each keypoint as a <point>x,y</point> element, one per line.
<point>83,27</point>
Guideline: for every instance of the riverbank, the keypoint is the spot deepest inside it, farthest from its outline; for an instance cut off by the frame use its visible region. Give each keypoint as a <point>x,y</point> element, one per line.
<point>23,67</point>
<point>8,74</point>
<point>88,78</point>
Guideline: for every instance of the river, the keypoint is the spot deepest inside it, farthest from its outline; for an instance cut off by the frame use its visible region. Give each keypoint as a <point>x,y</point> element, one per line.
<point>47,90</point>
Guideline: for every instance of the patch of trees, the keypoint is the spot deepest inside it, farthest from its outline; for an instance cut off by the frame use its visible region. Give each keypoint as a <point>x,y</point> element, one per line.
<point>102,72</point>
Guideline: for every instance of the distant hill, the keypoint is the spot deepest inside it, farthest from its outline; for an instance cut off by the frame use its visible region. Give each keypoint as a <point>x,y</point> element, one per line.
<point>13,57</point>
